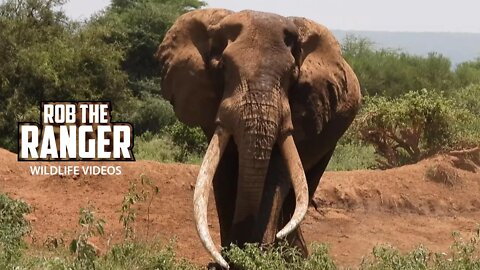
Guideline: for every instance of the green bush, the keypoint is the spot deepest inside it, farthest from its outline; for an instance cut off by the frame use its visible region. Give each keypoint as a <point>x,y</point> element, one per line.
<point>350,156</point>
<point>150,113</point>
<point>127,256</point>
<point>412,126</point>
<point>85,253</point>
<point>141,256</point>
<point>154,147</point>
<point>138,27</point>
<point>468,126</point>
<point>191,141</point>
<point>45,56</point>
<point>253,257</point>
<point>393,72</point>
<point>13,227</point>
<point>178,143</point>
<point>464,255</point>
<point>468,73</point>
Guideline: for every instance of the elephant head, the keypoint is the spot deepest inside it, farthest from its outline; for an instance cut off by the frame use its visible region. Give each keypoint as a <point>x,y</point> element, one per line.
<point>268,83</point>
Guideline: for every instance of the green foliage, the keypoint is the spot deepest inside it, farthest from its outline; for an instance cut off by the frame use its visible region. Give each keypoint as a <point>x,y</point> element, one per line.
<point>128,214</point>
<point>85,252</point>
<point>162,148</point>
<point>47,57</point>
<point>392,72</point>
<point>281,258</point>
<point>390,258</point>
<point>155,147</point>
<point>13,227</point>
<point>127,255</point>
<point>151,113</point>
<point>467,98</point>
<point>412,126</point>
<point>468,126</point>
<point>138,27</point>
<point>468,73</point>
<point>141,256</point>
<point>464,255</point>
<point>350,156</point>
<point>191,141</point>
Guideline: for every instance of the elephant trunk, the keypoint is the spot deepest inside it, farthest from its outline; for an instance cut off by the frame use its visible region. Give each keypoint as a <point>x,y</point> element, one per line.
<point>261,124</point>
<point>255,136</point>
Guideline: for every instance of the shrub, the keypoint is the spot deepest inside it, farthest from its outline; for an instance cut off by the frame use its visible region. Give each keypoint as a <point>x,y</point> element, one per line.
<point>13,227</point>
<point>468,126</point>
<point>164,149</point>
<point>135,194</point>
<point>352,156</point>
<point>142,256</point>
<point>85,252</point>
<point>410,127</point>
<point>468,72</point>
<point>154,147</point>
<point>393,72</point>
<point>191,141</point>
<point>45,56</point>
<point>150,113</point>
<point>280,258</point>
<point>463,255</point>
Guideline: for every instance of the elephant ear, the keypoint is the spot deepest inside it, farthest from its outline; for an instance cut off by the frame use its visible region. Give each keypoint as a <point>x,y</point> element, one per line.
<point>186,79</point>
<point>326,85</point>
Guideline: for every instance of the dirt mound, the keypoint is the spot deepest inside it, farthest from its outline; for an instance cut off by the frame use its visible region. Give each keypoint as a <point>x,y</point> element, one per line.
<point>353,211</point>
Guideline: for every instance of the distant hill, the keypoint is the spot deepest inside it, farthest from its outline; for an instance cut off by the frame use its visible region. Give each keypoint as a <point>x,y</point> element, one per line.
<point>459,47</point>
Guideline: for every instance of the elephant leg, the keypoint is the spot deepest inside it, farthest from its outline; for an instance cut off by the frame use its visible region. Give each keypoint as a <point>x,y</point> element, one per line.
<point>294,239</point>
<point>225,190</point>
<point>313,178</point>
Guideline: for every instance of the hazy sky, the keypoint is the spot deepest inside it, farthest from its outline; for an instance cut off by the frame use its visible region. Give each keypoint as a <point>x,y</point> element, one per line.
<point>385,15</point>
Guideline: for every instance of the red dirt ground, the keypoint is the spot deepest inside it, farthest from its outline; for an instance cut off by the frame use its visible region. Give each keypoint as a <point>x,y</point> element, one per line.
<point>354,210</point>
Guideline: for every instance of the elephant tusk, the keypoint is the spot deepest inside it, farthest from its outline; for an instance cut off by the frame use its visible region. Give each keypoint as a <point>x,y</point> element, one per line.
<point>202,190</point>
<point>299,182</point>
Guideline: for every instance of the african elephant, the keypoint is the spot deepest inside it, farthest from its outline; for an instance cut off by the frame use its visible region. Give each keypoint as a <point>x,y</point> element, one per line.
<point>273,95</point>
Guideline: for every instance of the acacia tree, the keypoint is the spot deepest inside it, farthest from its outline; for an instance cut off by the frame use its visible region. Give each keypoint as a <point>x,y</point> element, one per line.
<point>415,125</point>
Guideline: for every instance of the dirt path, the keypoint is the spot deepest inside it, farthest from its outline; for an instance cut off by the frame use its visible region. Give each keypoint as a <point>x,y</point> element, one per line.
<point>354,210</point>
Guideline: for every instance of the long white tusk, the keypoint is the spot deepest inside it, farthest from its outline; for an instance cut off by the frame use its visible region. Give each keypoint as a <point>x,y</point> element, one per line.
<point>299,182</point>
<point>202,190</point>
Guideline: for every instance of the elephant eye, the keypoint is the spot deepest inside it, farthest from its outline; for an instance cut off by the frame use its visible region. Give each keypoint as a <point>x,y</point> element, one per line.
<point>216,62</point>
<point>290,38</point>
<point>216,54</point>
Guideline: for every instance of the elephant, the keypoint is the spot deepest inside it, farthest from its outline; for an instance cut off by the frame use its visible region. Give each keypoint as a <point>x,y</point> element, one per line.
<point>273,95</point>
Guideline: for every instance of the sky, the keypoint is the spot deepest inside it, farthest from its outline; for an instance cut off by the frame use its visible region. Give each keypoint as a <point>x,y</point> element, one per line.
<point>365,15</point>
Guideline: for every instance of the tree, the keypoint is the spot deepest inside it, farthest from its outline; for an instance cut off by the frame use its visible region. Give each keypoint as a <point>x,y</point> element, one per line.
<point>415,125</point>
<point>393,72</point>
<point>139,26</point>
<point>47,57</point>
<point>468,73</point>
